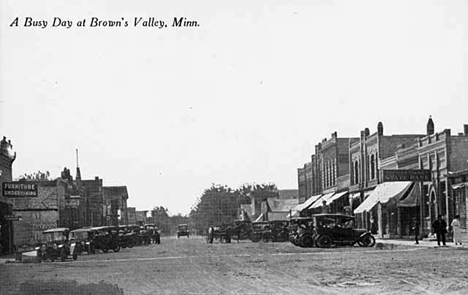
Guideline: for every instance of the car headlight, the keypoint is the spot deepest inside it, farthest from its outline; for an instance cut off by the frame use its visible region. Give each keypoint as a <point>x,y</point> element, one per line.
<point>54,246</point>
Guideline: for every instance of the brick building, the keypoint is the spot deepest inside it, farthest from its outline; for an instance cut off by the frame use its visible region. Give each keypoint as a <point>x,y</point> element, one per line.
<point>329,175</point>
<point>444,154</point>
<point>302,184</point>
<point>365,156</point>
<point>40,212</point>
<point>7,157</point>
<point>93,195</point>
<point>115,198</point>
<point>459,181</point>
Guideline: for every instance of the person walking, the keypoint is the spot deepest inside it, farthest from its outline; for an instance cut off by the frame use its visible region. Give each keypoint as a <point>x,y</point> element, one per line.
<point>440,229</point>
<point>415,229</point>
<point>456,229</point>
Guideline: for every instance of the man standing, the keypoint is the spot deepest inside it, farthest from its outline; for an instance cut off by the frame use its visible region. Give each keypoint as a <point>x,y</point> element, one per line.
<point>416,229</point>
<point>325,207</point>
<point>440,228</point>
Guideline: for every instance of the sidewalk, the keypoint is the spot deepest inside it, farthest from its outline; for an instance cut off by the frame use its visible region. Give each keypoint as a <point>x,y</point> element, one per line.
<point>426,243</point>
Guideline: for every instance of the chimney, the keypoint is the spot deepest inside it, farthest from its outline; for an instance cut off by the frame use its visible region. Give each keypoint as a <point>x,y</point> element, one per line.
<point>430,126</point>
<point>380,129</point>
<point>366,132</point>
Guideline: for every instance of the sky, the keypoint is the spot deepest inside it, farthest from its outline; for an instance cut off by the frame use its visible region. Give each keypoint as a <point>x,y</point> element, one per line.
<point>241,98</point>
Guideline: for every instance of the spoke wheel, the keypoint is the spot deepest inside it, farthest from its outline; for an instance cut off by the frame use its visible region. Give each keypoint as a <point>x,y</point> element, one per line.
<point>367,241</point>
<point>324,241</point>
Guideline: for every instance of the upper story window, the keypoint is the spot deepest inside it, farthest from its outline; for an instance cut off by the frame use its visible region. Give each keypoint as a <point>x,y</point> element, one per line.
<point>356,172</point>
<point>372,166</point>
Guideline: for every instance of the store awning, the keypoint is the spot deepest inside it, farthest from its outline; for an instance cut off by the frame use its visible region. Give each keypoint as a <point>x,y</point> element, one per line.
<point>412,200</point>
<point>318,203</point>
<point>307,203</point>
<point>336,196</point>
<point>384,193</point>
<point>459,185</point>
<point>355,195</point>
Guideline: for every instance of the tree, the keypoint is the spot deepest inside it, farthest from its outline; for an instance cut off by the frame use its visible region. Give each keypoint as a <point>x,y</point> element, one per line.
<point>161,218</point>
<point>220,205</point>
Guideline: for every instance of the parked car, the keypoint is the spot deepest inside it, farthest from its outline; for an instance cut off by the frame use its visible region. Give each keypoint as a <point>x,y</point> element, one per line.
<point>127,237</point>
<point>279,231</point>
<point>338,229</point>
<point>301,231</point>
<point>83,238</point>
<point>153,231</point>
<point>56,245</point>
<point>261,231</point>
<point>182,230</point>
<point>105,238</point>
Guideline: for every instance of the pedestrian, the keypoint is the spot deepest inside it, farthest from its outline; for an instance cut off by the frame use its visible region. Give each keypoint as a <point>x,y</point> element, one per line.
<point>456,230</point>
<point>415,229</point>
<point>440,229</point>
<point>325,207</point>
<point>373,225</point>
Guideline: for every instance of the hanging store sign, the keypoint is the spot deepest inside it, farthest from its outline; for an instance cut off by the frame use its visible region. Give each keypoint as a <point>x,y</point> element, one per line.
<point>19,189</point>
<point>406,175</point>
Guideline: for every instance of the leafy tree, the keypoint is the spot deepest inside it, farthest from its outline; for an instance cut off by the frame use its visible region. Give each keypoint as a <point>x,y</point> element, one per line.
<point>220,205</point>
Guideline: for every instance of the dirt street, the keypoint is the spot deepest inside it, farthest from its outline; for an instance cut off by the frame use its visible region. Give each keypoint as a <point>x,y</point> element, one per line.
<point>191,266</point>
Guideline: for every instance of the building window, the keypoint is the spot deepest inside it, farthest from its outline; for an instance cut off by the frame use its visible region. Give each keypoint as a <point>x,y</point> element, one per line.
<point>356,172</point>
<point>372,168</point>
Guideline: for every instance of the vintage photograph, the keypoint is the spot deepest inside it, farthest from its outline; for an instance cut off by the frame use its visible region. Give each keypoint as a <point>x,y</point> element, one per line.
<point>233,147</point>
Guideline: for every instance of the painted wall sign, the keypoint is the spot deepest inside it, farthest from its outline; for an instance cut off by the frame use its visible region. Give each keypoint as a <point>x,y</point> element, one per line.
<point>19,189</point>
<point>406,175</point>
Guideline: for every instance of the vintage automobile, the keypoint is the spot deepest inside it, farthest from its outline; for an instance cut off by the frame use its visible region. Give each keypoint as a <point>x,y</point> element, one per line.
<point>127,237</point>
<point>279,231</point>
<point>338,229</point>
<point>105,238</point>
<point>83,238</point>
<point>56,245</point>
<point>153,232</point>
<point>182,230</point>
<point>301,231</point>
<point>261,231</point>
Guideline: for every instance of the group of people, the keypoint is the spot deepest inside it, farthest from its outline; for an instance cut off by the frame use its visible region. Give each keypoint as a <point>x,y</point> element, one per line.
<point>440,229</point>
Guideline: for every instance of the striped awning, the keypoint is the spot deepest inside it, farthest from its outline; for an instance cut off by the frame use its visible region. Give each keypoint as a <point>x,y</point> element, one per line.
<point>384,193</point>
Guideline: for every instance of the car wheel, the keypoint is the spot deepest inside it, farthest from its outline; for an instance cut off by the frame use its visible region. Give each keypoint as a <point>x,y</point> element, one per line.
<point>105,250</point>
<point>255,238</point>
<point>63,255</point>
<point>75,256</point>
<point>367,241</point>
<point>324,241</point>
<point>307,241</point>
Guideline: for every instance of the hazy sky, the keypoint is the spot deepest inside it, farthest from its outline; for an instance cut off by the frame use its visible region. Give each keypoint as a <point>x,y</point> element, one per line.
<point>244,97</point>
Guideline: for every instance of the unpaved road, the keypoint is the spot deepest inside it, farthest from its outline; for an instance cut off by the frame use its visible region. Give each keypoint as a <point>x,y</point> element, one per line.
<point>191,266</point>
